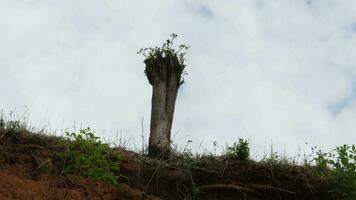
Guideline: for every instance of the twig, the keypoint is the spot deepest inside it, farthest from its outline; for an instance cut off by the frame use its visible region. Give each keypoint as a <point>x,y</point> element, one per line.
<point>187,192</point>
<point>227,162</point>
<point>306,180</point>
<point>149,181</point>
<point>227,187</point>
<point>34,158</point>
<point>256,186</point>
<point>201,169</point>
<point>43,163</point>
<point>3,135</point>
<point>142,135</point>
<point>32,145</point>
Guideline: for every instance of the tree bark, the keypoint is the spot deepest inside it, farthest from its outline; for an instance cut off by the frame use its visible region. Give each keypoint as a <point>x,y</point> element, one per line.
<point>165,82</point>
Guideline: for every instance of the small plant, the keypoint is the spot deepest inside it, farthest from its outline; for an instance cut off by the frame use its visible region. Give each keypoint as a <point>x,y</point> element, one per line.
<point>11,127</point>
<point>14,125</point>
<point>187,158</point>
<point>271,159</point>
<point>240,150</point>
<point>321,161</point>
<point>342,163</point>
<point>184,158</point>
<point>86,156</point>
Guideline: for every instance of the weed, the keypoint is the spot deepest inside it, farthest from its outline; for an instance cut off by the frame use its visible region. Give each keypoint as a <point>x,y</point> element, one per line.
<point>185,157</point>
<point>14,125</point>
<point>86,156</point>
<point>272,159</point>
<point>2,123</point>
<point>321,161</point>
<point>240,150</point>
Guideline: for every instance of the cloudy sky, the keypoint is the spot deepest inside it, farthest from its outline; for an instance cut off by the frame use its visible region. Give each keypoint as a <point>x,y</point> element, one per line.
<point>281,71</point>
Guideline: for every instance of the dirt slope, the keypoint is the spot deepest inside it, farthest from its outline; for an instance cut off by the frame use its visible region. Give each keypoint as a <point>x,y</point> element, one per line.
<point>30,169</point>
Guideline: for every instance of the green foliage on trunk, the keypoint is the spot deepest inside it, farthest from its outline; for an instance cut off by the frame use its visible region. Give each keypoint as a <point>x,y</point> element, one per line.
<point>162,60</point>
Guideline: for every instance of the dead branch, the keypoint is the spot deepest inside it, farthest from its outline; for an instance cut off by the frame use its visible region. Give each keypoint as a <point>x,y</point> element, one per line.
<point>32,146</point>
<point>43,163</point>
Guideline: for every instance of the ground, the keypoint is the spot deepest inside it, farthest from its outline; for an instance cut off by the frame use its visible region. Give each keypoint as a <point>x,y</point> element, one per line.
<point>31,169</point>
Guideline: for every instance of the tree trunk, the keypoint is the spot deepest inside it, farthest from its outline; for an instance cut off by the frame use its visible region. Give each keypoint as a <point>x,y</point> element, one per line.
<point>165,83</point>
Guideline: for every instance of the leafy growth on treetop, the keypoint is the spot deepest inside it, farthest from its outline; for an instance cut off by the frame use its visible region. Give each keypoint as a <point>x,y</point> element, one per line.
<point>162,60</point>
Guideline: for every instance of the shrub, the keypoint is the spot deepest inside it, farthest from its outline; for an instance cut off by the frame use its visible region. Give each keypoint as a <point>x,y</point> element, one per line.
<point>86,156</point>
<point>342,162</point>
<point>344,173</point>
<point>240,150</point>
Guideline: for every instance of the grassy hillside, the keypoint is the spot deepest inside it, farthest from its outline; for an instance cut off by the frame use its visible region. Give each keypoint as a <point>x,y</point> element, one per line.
<point>80,166</point>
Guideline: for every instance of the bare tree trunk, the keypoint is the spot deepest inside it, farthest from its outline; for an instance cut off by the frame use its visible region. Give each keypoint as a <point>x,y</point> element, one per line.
<point>164,94</point>
<point>164,70</point>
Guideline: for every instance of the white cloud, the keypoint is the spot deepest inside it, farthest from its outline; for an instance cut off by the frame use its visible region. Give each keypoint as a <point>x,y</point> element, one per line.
<point>267,71</point>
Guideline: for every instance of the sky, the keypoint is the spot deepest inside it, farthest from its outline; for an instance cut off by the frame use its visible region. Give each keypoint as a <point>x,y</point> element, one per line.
<point>278,73</point>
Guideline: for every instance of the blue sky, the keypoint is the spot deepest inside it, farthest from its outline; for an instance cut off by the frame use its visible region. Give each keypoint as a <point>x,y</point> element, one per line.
<point>345,103</point>
<point>268,71</point>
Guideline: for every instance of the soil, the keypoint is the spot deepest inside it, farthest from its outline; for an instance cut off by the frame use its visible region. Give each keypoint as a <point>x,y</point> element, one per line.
<point>30,170</point>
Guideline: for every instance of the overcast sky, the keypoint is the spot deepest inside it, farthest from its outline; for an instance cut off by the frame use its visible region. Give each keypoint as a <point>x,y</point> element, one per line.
<point>281,71</point>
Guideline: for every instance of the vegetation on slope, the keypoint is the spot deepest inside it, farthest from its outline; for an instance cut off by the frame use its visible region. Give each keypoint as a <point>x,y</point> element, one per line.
<point>34,160</point>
